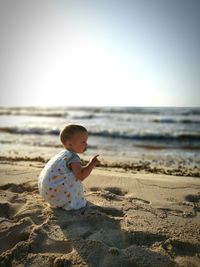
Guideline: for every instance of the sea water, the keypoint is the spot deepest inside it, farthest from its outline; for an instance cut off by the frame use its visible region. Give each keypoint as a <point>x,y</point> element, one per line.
<point>131,132</point>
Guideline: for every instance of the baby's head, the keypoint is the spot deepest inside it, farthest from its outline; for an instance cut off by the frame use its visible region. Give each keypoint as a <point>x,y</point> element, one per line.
<point>74,138</point>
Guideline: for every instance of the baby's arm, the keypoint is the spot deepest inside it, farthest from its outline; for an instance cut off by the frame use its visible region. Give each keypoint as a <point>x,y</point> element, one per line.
<point>82,172</point>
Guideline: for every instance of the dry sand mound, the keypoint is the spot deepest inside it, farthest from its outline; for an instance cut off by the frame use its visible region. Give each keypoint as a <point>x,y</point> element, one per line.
<point>115,229</point>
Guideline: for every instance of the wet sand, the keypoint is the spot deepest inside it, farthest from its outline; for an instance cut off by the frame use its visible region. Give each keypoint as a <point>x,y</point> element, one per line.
<point>133,218</point>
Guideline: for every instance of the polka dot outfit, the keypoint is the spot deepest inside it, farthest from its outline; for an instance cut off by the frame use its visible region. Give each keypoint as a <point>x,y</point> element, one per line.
<point>58,185</point>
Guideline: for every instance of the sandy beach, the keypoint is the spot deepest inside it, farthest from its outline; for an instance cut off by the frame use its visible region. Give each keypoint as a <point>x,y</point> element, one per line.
<point>133,218</point>
<point>127,72</point>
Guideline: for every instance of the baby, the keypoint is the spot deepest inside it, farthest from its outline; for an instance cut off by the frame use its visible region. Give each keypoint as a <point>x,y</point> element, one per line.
<point>60,180</point>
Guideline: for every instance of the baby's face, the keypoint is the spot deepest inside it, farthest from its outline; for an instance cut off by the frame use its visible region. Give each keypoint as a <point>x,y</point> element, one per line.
<point>78,142</point>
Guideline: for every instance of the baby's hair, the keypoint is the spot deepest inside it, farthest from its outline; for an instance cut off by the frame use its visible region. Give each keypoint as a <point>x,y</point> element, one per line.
<point>69,130</point>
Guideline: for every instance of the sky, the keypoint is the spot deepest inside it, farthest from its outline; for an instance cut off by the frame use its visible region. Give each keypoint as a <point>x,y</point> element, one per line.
<point>99,53</point>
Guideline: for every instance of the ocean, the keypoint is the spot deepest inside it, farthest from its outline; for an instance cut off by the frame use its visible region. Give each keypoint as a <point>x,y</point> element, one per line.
<point>134,133</point>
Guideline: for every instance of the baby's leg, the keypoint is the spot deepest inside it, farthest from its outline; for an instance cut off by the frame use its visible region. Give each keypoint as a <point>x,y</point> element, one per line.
<point>57,197</point>
<point>62,197</point>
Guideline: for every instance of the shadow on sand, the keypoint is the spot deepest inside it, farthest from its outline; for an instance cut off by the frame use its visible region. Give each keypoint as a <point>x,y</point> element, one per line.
<point>33,234</point>
<point>96,239</point>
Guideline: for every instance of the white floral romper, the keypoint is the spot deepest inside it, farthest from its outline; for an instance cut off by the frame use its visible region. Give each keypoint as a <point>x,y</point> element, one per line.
<point>58,185</point>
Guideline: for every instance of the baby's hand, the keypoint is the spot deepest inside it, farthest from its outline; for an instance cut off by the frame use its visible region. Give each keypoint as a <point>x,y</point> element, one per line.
<point>95,160</point>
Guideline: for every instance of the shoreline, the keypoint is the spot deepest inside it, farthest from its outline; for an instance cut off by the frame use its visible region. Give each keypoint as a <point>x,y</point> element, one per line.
<point>131,219</point>
<point>160,166</point>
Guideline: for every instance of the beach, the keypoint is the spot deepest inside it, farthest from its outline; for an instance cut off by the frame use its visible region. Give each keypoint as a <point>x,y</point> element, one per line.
<point>115,83</point>
<point>134,217</point>
<point>143,200</point>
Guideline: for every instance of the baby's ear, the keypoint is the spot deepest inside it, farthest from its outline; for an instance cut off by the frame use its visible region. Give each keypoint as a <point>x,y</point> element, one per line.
<point>67,143</point>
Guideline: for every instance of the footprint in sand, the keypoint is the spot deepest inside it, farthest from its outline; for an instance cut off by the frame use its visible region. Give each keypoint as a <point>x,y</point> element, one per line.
<point>19,201</point>
<point>193,198</point>
<point>122,193</point>
<point>116,190</point>
<point>10,204</point>
<point>12,235</point>
<point>49,240</point>
<point>5,210</point>
<point>19,188</point>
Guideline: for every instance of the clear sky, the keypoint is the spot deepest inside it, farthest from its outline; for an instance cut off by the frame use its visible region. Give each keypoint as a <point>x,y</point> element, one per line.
<point>103,52</point>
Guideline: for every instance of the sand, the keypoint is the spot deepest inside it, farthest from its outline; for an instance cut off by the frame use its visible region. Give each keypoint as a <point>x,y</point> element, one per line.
<point>132,219</point>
